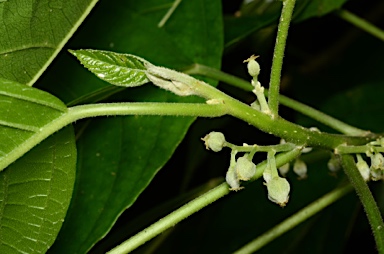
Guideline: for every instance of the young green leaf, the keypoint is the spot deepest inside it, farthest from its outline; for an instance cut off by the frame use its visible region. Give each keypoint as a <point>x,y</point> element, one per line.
<point>115,68</point>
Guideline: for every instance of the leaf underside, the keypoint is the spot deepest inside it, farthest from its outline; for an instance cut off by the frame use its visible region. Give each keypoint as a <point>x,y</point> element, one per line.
<point>35,193</point>
<point>23,112</point>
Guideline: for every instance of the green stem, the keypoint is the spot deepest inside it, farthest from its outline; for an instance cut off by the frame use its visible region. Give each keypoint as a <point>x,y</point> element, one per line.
<point>277,62</point>
<point>169,13</point>
<point>295,220</point>
<point>191,208</point>
<point>367,200</point>
<point>171,219</point>
<point>295,105</point>
<point>256,148</point>
<point>361,23</point>
<point>358,149</point>
<point>112,109</point>
<point>273,125</point>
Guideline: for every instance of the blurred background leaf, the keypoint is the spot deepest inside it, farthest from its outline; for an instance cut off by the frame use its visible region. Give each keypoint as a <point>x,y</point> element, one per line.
<point>33,32</point>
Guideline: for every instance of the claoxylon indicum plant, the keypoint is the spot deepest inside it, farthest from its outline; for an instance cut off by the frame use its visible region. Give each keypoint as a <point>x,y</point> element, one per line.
<point>81,151</point>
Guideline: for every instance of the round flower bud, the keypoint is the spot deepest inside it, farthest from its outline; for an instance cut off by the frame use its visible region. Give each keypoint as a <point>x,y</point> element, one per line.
<point>376,174</point>
<point>231,179</point>
<point>245,168</point>
<point>363,168</point>
<point>253,66</point>
<point>377,161</point>
<point>278,190</point>
<point>214,141</point>
<point>333,164</point>
<point>300,168</point>
<point>284,169</point>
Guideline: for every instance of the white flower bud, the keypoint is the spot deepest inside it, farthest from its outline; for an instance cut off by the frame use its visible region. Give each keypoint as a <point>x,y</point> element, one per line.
<point>300,168</point>
<point>245,168</point>
<point>376,174</point>
<point>231,179</point>
<point>333,164</point>
<point>377,161</point>
<point>363,168</point>
<point>306,149</point>
<point>231,176</point>
<point>256,105</point>
<point>284,169</point>
<point>278,190</point>
<point>253,66</point>
<point>214,141</point>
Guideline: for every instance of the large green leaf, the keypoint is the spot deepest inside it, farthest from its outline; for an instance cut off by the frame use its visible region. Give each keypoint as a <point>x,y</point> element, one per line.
<point>118,157</point>
<point>24,111</point>
<point>257,15</point>
<point>35,194</point>
<point>318,8</point>
<point>33,32</point>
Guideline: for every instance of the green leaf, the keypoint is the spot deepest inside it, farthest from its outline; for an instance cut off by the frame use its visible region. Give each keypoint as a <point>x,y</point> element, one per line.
<point>23,112</point>
<point>118,157</point>
<point>109,180</point>
<point>364,106</point>
<point>117,69</point>
<point>35,194</point>
<point>238,28</point>
<point>318,8</point>
<point>33,32</point>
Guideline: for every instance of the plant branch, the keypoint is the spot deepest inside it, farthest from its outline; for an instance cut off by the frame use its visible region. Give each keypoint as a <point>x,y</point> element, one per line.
<point>361,23</point>
<point>191,208</point>
<point>295,220</point>
<point>265,122</point>
<point>112,109</point>
<point>358,149</point>
<point>315,114</point>
<point>277,63</point>
<point>367,200</point>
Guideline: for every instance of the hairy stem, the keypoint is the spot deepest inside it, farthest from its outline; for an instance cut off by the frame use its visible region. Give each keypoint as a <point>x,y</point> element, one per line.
<point>358,149</point>
<point>294,220</point>
<point>361,23</point>
<point>295,105</point>
<point>112,109</point>
<point>366,198</point>
<point>277,63</point>
<point>191,208</point>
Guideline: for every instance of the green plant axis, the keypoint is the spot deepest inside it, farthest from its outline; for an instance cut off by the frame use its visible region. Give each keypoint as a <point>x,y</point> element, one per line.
<point>370,206</point>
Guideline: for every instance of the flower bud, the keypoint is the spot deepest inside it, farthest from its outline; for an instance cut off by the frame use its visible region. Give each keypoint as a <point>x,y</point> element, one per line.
<point>278,190</point>
<point>306,149</point>
<point>300,168</point>
<point>284,169</point>
<point>376,174</point>
<point>363,168</point>
<point>333,164</point>
<point>231,179</point>
<point>245,168</point>
<point>377,161</point>
<point>256,105</point>
<point>214,141</point>
<point>231,176</point>
<point>253,66</point>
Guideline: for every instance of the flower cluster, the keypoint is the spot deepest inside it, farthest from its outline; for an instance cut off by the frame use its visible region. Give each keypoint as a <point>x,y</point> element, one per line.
<point>242,168</point>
